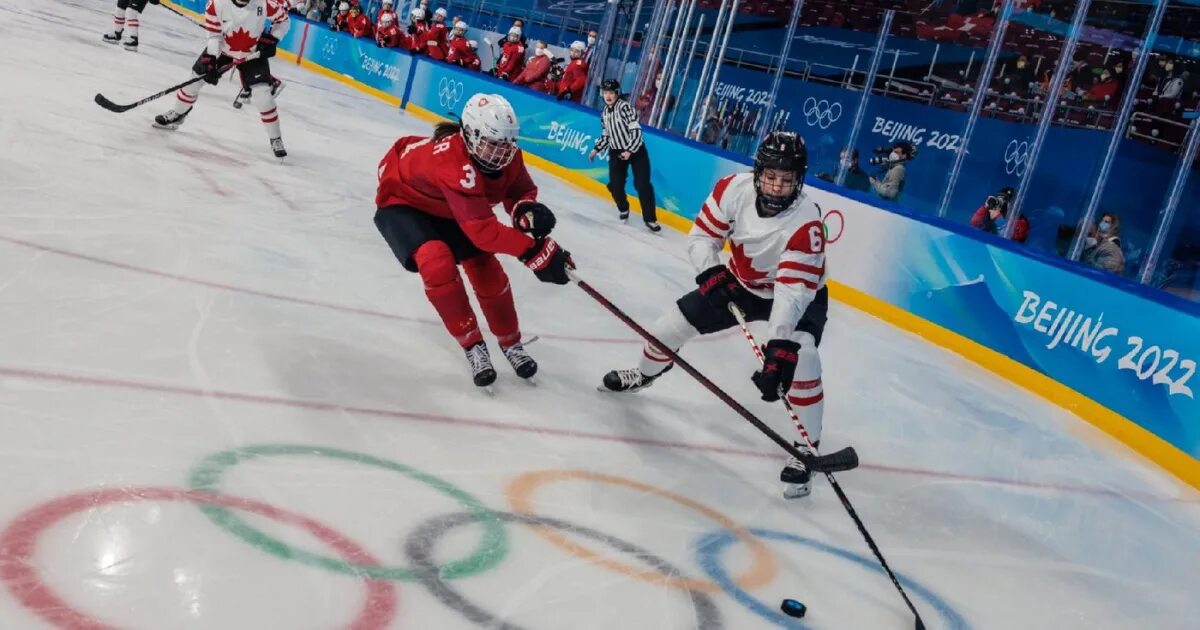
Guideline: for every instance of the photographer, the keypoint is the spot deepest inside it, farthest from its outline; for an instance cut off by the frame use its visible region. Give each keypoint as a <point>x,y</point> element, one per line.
<point>856,177</point>
<point>991,216</point>
<point>892,160</point>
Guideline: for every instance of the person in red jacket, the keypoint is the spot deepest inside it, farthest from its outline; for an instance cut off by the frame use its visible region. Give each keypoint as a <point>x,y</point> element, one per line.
<point>416,30</point>
<point>536,69</point>
<point>1106,89</point>
<point>574,78</point>
<point>359,25</point>
<point>456,46</point>
<point>991,216</point>
<point>435,210</point>
<point>342,19</point>
<point>388,35</point>
<point>386,10</point>
<point>470,58</point>
<point>435,36</point>
<point>512,59</point>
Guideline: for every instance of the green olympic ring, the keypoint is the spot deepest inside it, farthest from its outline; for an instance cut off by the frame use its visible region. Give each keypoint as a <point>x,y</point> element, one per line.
<point>206,476</point>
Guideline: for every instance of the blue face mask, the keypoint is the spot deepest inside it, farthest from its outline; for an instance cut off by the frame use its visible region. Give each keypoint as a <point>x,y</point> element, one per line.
<point>1104,225</point>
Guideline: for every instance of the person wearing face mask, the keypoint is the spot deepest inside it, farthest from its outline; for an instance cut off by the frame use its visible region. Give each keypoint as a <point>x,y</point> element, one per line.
<point>574,78</point>
<point>1102,248</point>
<point>895,172</point>
<point>856,177</point>
<point>591,47</point>
<point>536,69</point>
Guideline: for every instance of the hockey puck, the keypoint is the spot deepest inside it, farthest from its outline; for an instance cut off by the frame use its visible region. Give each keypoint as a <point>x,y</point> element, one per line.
<point>793,608</point>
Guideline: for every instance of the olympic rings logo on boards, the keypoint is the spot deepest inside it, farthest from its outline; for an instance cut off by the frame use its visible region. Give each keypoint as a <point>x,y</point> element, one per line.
<point>450,92</point>
<point>1016,157</point>
<point>835,226</point>
<point>821,113</point>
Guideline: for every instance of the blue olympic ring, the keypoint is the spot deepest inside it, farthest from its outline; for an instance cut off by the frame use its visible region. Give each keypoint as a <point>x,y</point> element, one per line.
<point>712,545</point>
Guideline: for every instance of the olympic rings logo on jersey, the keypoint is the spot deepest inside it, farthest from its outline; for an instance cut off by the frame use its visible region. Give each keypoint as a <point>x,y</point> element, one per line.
<point>1016,157</point>
<point>821,113</point>
<point>450,92</point>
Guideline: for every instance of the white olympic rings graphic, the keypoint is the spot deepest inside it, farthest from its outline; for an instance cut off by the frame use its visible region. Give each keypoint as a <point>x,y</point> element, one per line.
<point>1016,157</point>
<point>450,92</point>
<point>821,113</point>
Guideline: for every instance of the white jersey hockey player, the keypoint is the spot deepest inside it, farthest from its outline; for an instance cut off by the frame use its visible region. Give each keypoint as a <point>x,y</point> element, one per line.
<point>125,23</point>
<point>776,274</point>
<point>237,30</point>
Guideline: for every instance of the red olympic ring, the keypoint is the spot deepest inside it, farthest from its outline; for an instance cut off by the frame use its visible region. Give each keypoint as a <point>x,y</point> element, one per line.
<point>841,230</point>
<point>19,541</point>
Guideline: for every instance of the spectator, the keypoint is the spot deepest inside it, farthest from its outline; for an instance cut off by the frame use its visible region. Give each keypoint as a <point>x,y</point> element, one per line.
<point>519,24</point>
<point>512,57</point>
<point>591,47</point>
<point>622,138</point>
<point>340,21</point>
<point>991,216</point>
<point>856,177</point>
<point>536,69</point>
<point>574,79</point>
<point>1103,246</point>
<point>435,36</point>
<point>1106,89</point>
<point>416,30</point>
<point>388,35</point>
<point>359,25</point>
<point>710,133</point>
<point>895,172</point>
<point>386,10</point>
<point>645,104</point>
<point>1016,79</point>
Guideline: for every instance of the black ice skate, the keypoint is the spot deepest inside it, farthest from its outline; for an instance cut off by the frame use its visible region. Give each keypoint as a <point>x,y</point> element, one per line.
<point>629,381</point>
<point>277,86</point>
<point>521,362</point>
<point>623,215</point>
<point>481,365</point>
<point>131,44</point>
<point>242,98</point>
<point>170,119</point>
<point>277,148</point>
<point>797,477</point>
<point>653,226</point>
<point>113,37</point>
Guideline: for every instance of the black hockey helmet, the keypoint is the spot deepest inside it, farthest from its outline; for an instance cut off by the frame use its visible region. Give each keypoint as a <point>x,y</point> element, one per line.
<point>785,151</point>
<point>610,85</point>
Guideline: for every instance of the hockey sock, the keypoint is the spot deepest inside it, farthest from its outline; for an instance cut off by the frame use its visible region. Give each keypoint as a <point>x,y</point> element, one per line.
<point>186,97</point>
<point>495,297</point>
<point>806,394</point>
<point>132,17</point>
<point>260,95</point>
<point>445,290</point>
<point>673,330</point>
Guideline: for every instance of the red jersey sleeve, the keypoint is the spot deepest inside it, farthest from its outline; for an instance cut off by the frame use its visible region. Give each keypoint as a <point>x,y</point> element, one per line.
<point>465,197</point>
<point>522,188</point>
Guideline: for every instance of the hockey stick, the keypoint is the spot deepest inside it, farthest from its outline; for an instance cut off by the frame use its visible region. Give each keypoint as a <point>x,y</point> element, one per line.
<point>181,14</point>
<point>837,488</point>
<point>103,101</point>
<point>845,459</point>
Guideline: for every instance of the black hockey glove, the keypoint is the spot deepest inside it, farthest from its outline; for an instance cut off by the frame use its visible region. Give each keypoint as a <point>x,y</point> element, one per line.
<point>778,369</point>
<point>267,45</point>
<point>206,66</point>
<point>719,287</point>
<point>534,219</point>
<point>548,261</point>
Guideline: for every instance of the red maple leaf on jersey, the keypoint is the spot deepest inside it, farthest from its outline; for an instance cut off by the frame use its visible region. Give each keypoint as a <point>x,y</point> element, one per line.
<point>241,41</point>
<point>742,267</point>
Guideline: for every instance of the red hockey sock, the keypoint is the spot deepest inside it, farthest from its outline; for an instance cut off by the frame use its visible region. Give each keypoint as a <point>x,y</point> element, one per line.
<point>495,297</point>
<point>444,288</point>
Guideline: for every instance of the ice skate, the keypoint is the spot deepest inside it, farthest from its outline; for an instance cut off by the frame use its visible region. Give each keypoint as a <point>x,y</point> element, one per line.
<point>277,148</point>
<point>796,476</point>
<point>623,215</point>
<point>481,365</point>
<point>242,98</point>
<point>170,119</point>
<point>629,381</point>
<point>521,362</point>
<point>112,38</point>
<point>653,226</point>
<point>131,44</point>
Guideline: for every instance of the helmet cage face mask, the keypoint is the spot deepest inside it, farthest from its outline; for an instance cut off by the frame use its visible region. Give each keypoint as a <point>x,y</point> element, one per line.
<point>491,154</point>
<point>779,151</point>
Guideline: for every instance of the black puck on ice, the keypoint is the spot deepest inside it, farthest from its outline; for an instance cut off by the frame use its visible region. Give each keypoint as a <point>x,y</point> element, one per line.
<point>793,608</point>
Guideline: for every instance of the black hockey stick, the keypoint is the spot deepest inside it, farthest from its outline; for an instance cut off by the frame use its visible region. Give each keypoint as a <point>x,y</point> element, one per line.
<point>845,459</point>
<point>181,14</point>
<point>103,101</point>
<point>837,488</point>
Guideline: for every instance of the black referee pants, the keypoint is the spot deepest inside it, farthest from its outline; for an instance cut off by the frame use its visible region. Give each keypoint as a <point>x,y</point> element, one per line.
<point>618,171</point>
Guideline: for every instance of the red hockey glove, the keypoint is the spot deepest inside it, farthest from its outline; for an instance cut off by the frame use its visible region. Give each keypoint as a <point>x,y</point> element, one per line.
<point>778,369</point>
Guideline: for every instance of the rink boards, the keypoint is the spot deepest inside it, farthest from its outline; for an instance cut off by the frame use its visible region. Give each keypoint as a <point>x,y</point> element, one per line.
<point>1120,356</point>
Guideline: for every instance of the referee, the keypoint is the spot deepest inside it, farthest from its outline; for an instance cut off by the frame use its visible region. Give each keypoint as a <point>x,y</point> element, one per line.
<point>622,138</point>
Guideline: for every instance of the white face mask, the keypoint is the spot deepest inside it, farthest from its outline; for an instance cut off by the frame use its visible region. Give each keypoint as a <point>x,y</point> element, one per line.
<point>1091,241</point>
<point>591,40</point>
<point>847,162</point>
<point>895,156</point>
<point>544,52</point>
<point>658,83</point>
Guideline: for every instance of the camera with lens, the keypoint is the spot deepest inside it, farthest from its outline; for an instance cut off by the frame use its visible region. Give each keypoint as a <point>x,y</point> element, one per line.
<point>1000,200</point>
<point>556,69</point>
<point>883,155</point>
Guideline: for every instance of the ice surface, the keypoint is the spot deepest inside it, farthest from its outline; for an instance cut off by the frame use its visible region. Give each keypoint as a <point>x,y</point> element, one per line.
<point>169,297</point>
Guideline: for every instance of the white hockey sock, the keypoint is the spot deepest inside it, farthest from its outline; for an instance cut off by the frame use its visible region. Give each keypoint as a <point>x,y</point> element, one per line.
<point>132,17</point>
<point>260,95</point>
<point>186,97</point>
<point>806,394</point>
<point>673,330</point>
<point>119,21</point>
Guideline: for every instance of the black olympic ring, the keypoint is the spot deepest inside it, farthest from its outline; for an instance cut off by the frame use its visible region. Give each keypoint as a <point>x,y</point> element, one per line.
<point>421,543</point>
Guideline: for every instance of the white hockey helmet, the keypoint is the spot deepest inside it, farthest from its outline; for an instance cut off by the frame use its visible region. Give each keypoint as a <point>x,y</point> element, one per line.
<point>387,3</point>
<point>387,19</point>
<point>417,13</point>
<point>490,131</point>
<point>440,12</point>
<point>343,7</point>
<point>577,47</point>
<point>460,26</point>
<point>514,33</point>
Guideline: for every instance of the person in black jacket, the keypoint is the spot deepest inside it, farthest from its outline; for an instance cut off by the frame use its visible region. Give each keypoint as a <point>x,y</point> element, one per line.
<point>622,138</point>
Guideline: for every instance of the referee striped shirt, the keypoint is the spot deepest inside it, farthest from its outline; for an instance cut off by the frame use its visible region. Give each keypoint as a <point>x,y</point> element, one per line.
<point>622,131</point>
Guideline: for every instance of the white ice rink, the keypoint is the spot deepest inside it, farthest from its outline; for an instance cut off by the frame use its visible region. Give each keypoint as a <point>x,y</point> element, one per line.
<point>225,406</point>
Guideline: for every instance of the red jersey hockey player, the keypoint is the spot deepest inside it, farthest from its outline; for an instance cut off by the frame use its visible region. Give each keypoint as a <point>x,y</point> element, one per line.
<point>467,58</point>
<point>435,203</point>
<point>236,30</point>
<point>341,21</point>
<point>776,274</point>
<point>512,59</point>
<point>126,20</point>
<point>386,9</point>
<point>574,78</point>
<point>359,25</point>
<point>388,35</point>
<point>435,36</point>
<point>416,29</point>
<point>457,47</point>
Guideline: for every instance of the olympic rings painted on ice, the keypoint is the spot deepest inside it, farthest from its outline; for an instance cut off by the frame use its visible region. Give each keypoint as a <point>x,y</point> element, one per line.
<point>207,476</point>
<point>19,541</point>
<point>423,540</point>
<point>520,496</point>
<point>711,546</point>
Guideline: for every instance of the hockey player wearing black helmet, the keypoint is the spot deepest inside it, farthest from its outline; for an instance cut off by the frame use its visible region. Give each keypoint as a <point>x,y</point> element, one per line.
<point>776,274</point>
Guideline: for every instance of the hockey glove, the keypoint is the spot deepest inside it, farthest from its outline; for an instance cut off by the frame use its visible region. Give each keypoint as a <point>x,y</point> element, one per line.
<point>778,369</point>
<point>534,219</point>
<point>548,261</point>
<point>267,45</point>
<point>719,287</point>
<point>206,66</point>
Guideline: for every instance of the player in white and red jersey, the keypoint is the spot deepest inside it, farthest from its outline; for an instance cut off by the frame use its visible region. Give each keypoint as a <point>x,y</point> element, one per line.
<point>126,21</point>
<point>776,274</point>
<point>435,203</point>
<point>237,30</point>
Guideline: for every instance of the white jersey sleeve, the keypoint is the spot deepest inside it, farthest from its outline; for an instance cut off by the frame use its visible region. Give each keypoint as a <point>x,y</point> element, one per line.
<point>277,12</point>
<point>800,274</point>
<point>212,24</point>
<point>711,228</point>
